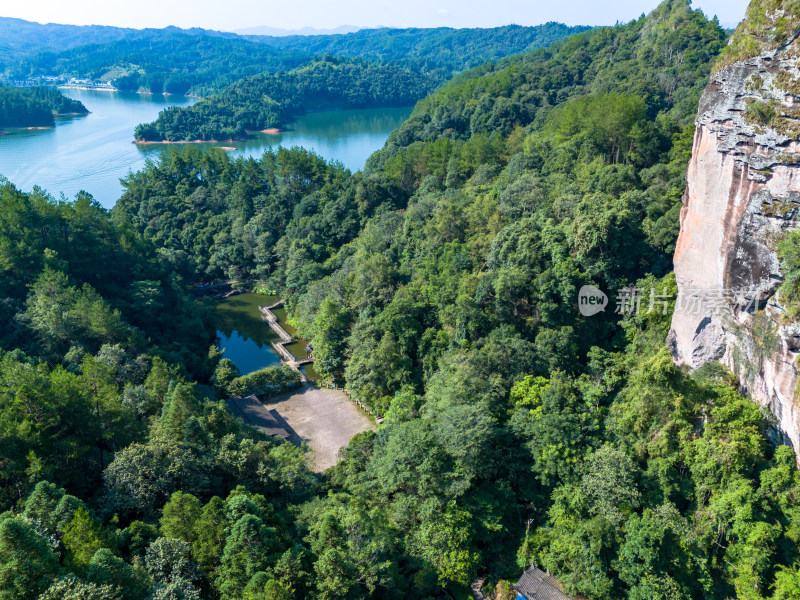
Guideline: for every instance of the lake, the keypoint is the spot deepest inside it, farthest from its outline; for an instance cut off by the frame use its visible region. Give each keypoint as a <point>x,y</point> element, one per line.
<point>244,337</point>
<point>93,152</point>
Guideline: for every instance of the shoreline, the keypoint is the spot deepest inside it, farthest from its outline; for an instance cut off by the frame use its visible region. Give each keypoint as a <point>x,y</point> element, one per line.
<point>150,142</point>
<point>86,87</point>
<point>113,89</point>
<point>268,131</point>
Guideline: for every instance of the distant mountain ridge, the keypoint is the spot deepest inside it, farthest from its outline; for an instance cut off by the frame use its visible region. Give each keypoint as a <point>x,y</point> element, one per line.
<point>280,32</point>
<point>201,62</point>
<point>20,38</point>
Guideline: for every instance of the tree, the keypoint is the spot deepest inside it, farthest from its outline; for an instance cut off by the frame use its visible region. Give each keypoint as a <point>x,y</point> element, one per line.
<point>179,589</point>
<point>169,560</point>
<point>445,541</point>
<point>224,374</point>
<point>83,537</point>
<point>105,569</point>
<point>335,576</point>
<point>136,538</point>
<point>263,587</point>
<point>660,557</point>
<point>248,548</point>
<point>27,564</point>
<point>41,504</point>
<point>787,584</point>
<point>180,405</point>
<point>72,588</point>
<point>142,477</point>
<point>209,534</point>
<point>331,330</point>
<point>610,484</point>
<point>179,517</point>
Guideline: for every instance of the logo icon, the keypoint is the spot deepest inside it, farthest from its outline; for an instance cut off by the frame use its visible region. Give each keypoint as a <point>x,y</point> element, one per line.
<point>591,300</point>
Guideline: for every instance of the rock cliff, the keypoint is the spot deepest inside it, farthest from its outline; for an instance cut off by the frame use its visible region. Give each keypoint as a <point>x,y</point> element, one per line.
<point>742,198</point>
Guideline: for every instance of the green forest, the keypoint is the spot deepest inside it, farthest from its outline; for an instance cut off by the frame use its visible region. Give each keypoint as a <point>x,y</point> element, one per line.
<point>198,65</point>
<point>32,107</point>
<point>20,38</point>
<point>203,62</point>
<point>441,51</point>
<point>439,286</point>
<point>265,101</point>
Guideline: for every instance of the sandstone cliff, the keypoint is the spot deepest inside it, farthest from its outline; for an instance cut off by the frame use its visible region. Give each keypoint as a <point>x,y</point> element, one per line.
<point>743,196</point>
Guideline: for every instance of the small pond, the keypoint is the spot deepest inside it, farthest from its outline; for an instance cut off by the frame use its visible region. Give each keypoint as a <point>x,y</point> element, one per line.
<point>245,337</point>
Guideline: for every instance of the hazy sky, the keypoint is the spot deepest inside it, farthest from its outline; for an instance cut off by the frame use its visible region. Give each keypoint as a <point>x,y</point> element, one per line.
<point>292,14</point>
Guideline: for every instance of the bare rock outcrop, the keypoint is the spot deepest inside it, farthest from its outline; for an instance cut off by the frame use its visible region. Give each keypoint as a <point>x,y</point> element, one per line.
<point>743,196</point>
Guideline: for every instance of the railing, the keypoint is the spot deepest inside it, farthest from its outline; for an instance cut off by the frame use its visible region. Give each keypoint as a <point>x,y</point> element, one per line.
<point>285,355</point>
<point>363,406</point>
<point>272,321</point>
<point>289,358</point>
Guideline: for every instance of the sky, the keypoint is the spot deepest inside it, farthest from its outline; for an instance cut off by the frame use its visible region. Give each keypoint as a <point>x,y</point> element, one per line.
<point>237,14</point>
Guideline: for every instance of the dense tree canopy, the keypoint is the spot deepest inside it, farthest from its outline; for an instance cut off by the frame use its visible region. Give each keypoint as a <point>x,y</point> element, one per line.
<point>442,51</point>
<point>440,286</point>
<point>202,62</point>
<point>32,107</point>
<point>197,64</point>
<point>267,100</point>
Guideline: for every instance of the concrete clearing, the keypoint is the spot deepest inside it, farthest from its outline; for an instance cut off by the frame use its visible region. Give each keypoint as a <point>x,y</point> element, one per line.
<point>323,418</point>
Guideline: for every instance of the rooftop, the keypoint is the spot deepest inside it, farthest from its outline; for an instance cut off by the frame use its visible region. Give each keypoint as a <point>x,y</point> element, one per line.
<point>535,584</point>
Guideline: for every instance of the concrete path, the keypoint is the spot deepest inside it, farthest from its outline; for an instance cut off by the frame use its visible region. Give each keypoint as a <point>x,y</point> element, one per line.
<point>323,418</point>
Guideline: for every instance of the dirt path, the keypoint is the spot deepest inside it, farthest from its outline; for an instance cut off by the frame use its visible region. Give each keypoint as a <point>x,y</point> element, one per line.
<point>323,418</point>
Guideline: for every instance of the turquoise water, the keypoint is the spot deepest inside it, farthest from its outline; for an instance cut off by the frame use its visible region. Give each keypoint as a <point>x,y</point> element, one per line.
<point>93,152</point>
<point>244,337</point>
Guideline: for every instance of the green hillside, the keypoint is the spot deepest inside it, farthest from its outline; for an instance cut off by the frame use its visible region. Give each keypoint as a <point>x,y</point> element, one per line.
<point>264,101</point>
<point>440,286</point>
<point>32,107</point>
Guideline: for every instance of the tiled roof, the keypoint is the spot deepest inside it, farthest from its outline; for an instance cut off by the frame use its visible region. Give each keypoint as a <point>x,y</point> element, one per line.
<point>535,584</point>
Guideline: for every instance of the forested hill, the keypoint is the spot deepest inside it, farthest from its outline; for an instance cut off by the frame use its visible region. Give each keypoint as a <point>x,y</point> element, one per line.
<point>443,50</point>
<point>20,39</point>
<point>440,286</point>
<point>262,101</point>
<point>30,107</point>
<point>202,62</point>
<point>173,62</point>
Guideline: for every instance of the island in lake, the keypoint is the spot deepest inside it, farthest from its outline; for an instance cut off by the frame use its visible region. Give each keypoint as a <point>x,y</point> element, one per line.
<point>264,102</point>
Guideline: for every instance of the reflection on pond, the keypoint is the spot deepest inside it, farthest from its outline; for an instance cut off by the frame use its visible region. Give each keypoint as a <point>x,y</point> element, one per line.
<point>245,337</point>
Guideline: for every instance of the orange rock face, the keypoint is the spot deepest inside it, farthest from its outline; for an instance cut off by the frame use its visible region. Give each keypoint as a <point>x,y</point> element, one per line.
<point>743,195</point>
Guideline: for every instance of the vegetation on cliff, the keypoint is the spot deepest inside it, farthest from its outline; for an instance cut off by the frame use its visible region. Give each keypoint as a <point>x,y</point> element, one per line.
<point>767,25</point>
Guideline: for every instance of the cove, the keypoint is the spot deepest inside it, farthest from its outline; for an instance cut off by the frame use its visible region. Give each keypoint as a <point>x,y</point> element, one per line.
<point>244,337</point>
<point>93,152</point>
